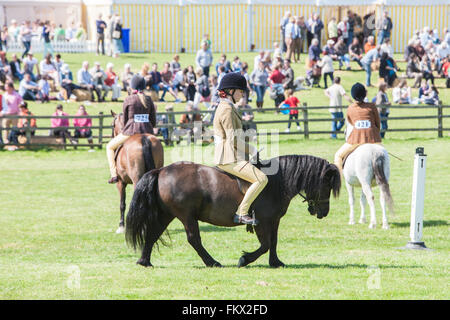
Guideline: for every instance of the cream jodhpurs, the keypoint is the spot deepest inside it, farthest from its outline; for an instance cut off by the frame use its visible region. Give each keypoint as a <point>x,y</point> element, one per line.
<point>248,172</point>
<point>110,150</point>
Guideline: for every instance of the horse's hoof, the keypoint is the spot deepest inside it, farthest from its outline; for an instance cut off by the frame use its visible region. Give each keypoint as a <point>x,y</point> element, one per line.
<point>362,221</point>
<point>386,226</point>
<point>277,264</point>
<point>144,263</point>
<point>120,230</point>
<point>216,265</point>
<point>372,226</point>
<point>351,222</point>
<point>241,262</point>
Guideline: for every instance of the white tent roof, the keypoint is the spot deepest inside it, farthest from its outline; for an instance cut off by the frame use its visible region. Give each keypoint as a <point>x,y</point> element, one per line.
<point>276,2</point>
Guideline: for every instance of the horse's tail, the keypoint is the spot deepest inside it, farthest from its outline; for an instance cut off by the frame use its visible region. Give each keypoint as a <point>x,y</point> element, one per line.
<point>149,162</point>
<point>382,181</point>
<point>144,211</point>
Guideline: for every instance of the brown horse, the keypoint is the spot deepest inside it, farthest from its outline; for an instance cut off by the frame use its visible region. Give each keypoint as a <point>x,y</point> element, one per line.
<point>193,192</point>
<point>139,154</point>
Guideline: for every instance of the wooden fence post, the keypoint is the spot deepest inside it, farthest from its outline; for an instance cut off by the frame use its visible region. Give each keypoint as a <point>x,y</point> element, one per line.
<point>305,122</point>
<point>100,130</point>
<point>439,108</point>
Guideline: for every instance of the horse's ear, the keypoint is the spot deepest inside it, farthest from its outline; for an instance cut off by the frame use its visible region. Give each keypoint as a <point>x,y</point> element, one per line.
<point>113,114</point>
<point>334,176</point>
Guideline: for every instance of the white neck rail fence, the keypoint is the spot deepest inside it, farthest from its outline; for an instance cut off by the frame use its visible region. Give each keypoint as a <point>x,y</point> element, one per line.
<point>99,125</point>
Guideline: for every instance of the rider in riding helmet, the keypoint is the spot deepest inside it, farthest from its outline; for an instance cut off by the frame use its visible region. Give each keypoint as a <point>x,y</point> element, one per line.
<point>139,116</point>
<point>363,125</point>
<point>232,153</point>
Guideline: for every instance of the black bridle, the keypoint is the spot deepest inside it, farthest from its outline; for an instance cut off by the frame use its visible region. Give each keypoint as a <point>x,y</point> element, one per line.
<point>313,202</point>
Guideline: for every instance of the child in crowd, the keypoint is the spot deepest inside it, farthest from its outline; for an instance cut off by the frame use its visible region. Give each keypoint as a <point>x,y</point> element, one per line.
<point>293,102</point>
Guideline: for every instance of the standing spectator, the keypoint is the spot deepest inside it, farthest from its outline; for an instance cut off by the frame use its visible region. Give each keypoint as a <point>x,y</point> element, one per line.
<point>207,40</point>
<point>80,35</point>
<point>4,38</point>
<point>290,34</point>
<point>46,30</point>
<point>384,27</point>
<point>259,78</point>
<point>190,80</point>
<point>293,102</point>
<point>284,22</point>
<point>327,68</point>
<point>335,93</point>
<point>314,52</point>
<point>382,101</point>
<point>67,81</point>
<point>204,58</point>
<point>58,64</point>
<point>117,37</point>
<point>28,66</point>
<point>259,58</point>
<point>86,81</point>
<point>83,127</point>
<point>333,30</point>
<point>446,70</point>
<point>112,83</point>
<point>110,21</point>
<point>366,62</point>
<point>315,26</point>
<point>10,107</point>
<point>101,26</point>
<point>60,125</point>
<point>343,30</point>
<point>28,89</point>
<point>70,32</point>
<point>342,54</point>
<point>26,33</point>
<point>202,92</point>
<point>60,33</point>
<point>127,74</point>
<point>351,27</point>
<point>14,31</point>
<point>303,34</point>
<point>16,67</point>
<point>355,51</point>
<point>175,65</point>
<point>276,79</point>
<point>369,24</point>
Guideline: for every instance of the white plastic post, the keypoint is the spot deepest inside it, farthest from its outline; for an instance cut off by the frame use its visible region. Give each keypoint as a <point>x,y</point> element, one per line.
<point>417,203</point>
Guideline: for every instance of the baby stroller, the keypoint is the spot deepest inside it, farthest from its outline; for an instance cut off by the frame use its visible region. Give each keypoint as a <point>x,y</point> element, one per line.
<point>313,76</point>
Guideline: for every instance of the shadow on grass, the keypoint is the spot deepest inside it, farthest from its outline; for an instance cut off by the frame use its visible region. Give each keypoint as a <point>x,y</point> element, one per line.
<point>207,228</point>
<point>429,223</point>
<point>335,266</point>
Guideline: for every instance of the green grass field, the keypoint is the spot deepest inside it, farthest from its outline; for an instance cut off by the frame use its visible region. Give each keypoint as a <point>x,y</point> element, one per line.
<point>58,216</point>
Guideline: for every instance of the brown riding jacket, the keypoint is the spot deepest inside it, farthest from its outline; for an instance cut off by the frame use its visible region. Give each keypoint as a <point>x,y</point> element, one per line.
<point>365,123</point>
<point>137,117</point>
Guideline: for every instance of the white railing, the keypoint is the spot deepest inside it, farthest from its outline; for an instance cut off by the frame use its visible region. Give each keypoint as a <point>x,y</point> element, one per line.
<point>37,46</point>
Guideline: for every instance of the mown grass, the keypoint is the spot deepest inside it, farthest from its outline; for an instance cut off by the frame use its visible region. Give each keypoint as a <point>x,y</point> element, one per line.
<point>58,217</point>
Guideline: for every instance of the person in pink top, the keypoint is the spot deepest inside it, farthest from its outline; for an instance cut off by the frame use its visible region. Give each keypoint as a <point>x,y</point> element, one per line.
<point>81,124</point>
<point>10,106</point>
<point>60,125</point>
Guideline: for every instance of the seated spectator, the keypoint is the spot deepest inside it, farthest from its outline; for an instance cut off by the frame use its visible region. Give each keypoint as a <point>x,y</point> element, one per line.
<point>387,69</point>
<point>413,70</point>
<point>127,74</point>
<point>446,70</point>
<point>157,83</point>
<point>60,125</point>
<point>382,101</point>
<point>167,77</point>
<point>410,49</point>
<point>83,127</point>
<point>288,72</point>
<point>111,83</point>
<point>420,50</point>
<point>98,79</point>
<point>223,62</point>
<point>247,116</point>
<point>23,123</point>
<point>86,81</point>
<point>178,83</point>
<point>401,94</point>
<point>44,89</point>
<point>424,90</point>
<point>48,68</point>
<point>329,49</point>
<point>425,67</point>
<point>386,47</point>
<point>145,73</point>
<point>237,64</point>
<point>28,89</point>
<point>187,122</point>
<point>28,65</point>
<point>314,52</point>
<point>16,67</point>
<point>355,51</point>
<point>175,65</point>
<point>370,44</point>
<point>162,119</point>
<point>341,51</point>
<point>5,68</point>
<point>276,83</point>
<point>67,82</point>
<point>432,97</point>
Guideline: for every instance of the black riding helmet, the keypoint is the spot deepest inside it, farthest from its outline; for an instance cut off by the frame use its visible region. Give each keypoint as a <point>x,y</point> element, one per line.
<point>358,92</point>
<point>233,80</point>
<point>137,83</point>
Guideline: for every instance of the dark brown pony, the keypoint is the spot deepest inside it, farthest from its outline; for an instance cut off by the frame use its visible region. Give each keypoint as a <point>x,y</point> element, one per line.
<point>193,192</point>
<point>138,155</point>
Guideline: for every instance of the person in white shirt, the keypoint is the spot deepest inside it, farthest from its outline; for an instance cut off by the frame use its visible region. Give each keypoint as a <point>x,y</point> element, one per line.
<point>401,94</point>
<point>335,92</point>
<point>259,58</point>
<point>326,63</point>
<point>48,68</point>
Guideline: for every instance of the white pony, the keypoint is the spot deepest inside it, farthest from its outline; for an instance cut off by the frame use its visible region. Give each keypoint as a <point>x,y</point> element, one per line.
<point>367,165</point>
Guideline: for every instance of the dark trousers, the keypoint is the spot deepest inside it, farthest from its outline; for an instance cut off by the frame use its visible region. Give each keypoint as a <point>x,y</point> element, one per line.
<point>27,45</point>
<point>101,41</point>
<point>384,124</point>
<point>69,87</point>
<point>91,91</point>
<point>206,71</point>
<point>325,76</point>
<point>293,117</point>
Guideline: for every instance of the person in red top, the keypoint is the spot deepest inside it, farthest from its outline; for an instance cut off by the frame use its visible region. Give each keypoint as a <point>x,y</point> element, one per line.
<point>82,126</point>
<point>293,102</point>
<point>112,83</point>
<point>276,83</point>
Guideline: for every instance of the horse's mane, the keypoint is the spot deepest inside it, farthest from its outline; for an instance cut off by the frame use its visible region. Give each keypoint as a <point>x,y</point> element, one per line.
<point>303,173</point>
